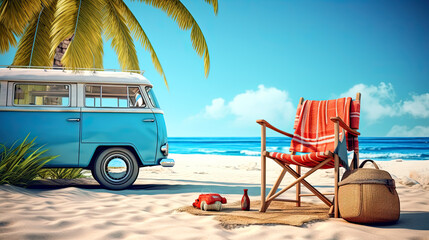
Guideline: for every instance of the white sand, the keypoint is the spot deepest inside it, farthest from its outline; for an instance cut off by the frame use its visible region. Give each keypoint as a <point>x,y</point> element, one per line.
<point>147,210</point>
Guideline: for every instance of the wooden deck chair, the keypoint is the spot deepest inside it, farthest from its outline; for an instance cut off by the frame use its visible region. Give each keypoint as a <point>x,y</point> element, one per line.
<point>317,133</point>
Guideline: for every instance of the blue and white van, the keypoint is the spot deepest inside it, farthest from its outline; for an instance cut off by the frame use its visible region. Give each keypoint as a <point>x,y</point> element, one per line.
<point>109,122</point>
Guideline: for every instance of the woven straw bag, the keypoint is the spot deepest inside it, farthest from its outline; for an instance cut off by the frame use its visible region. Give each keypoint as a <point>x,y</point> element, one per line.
<point>368,196</point>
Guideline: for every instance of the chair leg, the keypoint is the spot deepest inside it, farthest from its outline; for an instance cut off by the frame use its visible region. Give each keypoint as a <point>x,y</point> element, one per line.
<point>331,211</point>
<point>277,184</point>
<point>337,166</point>
<point>274,190</point>
<point>298,188</point>
<point>263,183</point>
<point>336,172</point>
<point>263,168</point>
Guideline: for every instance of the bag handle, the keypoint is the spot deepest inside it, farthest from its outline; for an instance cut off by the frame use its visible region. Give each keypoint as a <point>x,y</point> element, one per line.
<point>368,160</point>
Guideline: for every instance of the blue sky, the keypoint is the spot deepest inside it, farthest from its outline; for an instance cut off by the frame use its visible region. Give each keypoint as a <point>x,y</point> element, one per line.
<point>265,55</point>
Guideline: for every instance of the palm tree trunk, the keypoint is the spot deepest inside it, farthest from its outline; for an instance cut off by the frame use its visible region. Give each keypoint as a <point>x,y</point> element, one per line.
<point>59,52</point>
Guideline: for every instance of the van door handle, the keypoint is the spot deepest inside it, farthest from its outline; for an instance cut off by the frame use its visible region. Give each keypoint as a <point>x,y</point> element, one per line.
<point>73,119</point>
<point>149,120</point>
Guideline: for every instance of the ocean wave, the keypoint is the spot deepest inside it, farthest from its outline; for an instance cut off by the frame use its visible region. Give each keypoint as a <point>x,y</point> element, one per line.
<point>250,153</point>
<point>272,149</point>
<point>278,149</point>
<point>285,149</point>
<point>419,140</point>
<point>371,148</point>
<point>392,155</point>
<point>209,151</point>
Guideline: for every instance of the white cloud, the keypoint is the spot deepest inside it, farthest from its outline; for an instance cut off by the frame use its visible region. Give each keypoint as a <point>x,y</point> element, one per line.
<point>271,104</point>
<point>377,101</point>
<point>216,110</point>
<point>403,131</point>
<point>418,107</point>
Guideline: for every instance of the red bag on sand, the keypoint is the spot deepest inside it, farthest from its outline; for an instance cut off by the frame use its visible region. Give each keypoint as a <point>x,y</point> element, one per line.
<point>211,201</point>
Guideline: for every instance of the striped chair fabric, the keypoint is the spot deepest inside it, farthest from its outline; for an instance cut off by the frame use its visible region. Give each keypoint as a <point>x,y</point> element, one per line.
<point>314,131</point>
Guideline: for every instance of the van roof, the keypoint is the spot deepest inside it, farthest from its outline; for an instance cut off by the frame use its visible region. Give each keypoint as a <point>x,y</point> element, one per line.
<point>54,75</point>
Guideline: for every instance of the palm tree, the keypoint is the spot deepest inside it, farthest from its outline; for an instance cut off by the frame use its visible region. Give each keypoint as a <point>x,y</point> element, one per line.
<point>44,24</point>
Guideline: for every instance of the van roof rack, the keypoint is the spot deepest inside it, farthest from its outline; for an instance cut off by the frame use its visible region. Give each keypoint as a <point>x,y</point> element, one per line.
<point>73,69</point>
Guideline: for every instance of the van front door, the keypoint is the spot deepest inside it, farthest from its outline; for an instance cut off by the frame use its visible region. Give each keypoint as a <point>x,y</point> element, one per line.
<point>118,116</point>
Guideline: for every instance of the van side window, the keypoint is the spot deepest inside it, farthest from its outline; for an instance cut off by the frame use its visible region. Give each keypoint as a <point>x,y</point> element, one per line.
<point>113,96</point>
<point>135,97</point>
<point>42,94</point>
<point>93,96</point>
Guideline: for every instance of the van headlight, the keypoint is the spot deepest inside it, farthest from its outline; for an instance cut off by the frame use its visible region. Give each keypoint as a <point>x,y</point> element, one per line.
<point>164,149</point>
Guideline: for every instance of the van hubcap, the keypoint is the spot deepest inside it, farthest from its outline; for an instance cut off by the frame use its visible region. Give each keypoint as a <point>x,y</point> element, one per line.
<point>117,167</point>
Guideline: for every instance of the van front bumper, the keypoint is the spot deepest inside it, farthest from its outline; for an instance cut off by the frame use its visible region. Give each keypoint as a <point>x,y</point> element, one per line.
<point>167,162</point>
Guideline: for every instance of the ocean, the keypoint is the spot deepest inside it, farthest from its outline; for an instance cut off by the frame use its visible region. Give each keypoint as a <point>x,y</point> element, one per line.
<point>376,148</point>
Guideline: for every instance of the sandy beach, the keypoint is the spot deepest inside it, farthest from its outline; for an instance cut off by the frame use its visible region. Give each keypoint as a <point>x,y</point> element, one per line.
<point>81,209</point>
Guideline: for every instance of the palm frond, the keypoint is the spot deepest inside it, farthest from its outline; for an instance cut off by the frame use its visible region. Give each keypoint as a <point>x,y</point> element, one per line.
<point>115,28</point>
<point>7,38</point>
<point>179,13</point>
<point>82,20</point>
<point>214,4</point>
<point>141,36</point>
<point>200,46</point>
<point>41,39</point>
<point>14,17</point>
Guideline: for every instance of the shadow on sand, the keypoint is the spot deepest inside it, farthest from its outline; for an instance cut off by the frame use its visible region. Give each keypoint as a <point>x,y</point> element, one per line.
<point>410,220</point>
<point>182,186</point>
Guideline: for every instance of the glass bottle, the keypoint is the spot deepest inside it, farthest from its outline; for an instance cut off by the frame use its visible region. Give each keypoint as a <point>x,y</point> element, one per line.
<point>245,201</point>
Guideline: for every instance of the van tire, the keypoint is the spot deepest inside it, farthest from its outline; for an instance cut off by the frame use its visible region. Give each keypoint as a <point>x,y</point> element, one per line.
<point>116,168</point>
<point>93,174</point>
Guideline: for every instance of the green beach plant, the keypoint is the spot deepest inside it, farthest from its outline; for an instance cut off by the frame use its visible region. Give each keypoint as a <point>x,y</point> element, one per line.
<point>20,164</point>
<point>44,24</point>
<point>61,173</point>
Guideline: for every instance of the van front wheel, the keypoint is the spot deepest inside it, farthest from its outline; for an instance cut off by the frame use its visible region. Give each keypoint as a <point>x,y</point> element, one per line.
<point>116,168</point>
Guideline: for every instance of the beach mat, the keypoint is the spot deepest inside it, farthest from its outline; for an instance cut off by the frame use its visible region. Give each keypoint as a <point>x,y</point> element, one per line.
<point>285,213</point>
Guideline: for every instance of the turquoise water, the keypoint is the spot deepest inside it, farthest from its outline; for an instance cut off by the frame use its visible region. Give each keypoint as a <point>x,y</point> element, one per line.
<point>377,148</point>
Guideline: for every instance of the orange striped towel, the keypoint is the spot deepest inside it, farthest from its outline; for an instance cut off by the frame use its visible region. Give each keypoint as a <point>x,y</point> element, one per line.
<point>315,131</point>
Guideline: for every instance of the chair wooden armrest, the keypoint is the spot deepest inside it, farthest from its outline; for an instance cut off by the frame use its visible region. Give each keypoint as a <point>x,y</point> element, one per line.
<point>344,125</point>
<point>268,125</point>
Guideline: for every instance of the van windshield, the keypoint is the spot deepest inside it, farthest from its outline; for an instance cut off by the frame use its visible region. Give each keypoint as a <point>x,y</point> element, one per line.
<point>152,97</point>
